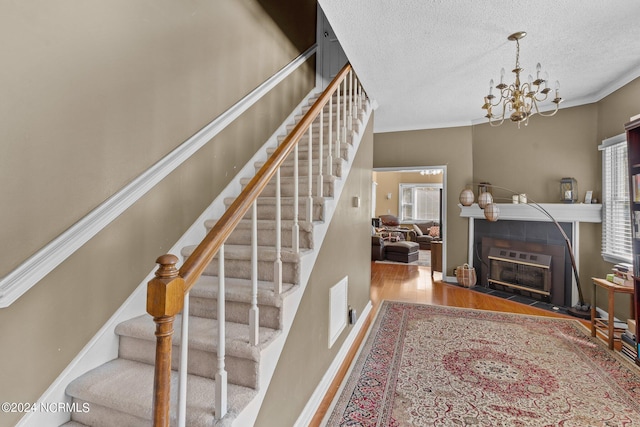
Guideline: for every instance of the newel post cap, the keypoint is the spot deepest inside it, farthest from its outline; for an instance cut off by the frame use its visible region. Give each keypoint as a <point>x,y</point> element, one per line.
<point>165,292</point>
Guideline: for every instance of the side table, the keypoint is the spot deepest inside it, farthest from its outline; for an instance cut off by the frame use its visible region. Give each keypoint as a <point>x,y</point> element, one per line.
<point>607,327</point>
<point>436,257</point>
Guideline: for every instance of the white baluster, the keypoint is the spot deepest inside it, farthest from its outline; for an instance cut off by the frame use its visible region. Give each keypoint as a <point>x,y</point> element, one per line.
<point>338,140</point>
<point>320,156</point>
<point>254,323</point>
<point>351,99</point>
<point>295,231</point>
<point>221,372</point>
<point>277,264</point>
<point>309,176</point>
<point>184,358</point>
<point>330,138</point>
<point>356,107</point>
<point>344,115</point>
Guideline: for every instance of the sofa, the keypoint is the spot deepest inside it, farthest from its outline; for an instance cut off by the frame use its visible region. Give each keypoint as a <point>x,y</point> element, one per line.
<point>422,232</point>
<point>377,248</point>
<point>400,251</point>
<point>426,232</point>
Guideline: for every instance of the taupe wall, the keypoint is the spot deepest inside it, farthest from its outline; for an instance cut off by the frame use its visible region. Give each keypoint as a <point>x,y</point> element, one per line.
<point>451,147</point>
<point>345,252</point>
<point>94,94</point>
<point>389,182</point>
<point>531,159</point>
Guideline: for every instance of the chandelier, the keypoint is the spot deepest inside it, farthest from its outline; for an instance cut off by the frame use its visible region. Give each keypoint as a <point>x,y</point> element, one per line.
<point>521,100</point>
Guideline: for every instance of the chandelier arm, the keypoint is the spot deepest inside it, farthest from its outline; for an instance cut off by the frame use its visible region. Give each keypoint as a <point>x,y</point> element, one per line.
<point>500,99</point>
<point>546,95</point>
<point>502,116</point>
<point>553,113</point>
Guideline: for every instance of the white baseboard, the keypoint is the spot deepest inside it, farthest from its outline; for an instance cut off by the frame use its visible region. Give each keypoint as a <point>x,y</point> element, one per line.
<point>321,390</point>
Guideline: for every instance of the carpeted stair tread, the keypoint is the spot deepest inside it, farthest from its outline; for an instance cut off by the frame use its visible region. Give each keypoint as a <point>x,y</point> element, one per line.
<point>127,387</point>
<point>243,252</point>
<point>287,187</point>
<point>239,290</point>
<point>73,424</point>
<point>239,262</point>
<point>264,224</point>
<point>303,146</point>
<point>302,165</point>
<point>269,201</point>
<point>302,180</point>
<point>267,233</point>
<point>203,335</point>
<point>316,128</point>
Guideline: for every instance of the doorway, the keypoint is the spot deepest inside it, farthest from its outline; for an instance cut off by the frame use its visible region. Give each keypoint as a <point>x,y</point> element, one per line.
<point>414,195</point>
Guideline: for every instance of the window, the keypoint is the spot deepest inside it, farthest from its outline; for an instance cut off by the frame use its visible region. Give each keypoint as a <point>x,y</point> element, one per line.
<point>616,223</point>
<point>420,202</point>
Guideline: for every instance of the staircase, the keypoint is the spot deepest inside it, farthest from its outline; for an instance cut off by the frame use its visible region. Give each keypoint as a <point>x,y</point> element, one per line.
<point>119,393</point>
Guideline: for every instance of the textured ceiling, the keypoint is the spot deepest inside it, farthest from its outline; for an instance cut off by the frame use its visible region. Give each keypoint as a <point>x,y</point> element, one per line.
<point>427,63</point>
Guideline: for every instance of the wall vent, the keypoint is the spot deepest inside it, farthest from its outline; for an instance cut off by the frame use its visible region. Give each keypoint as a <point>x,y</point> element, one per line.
<point>338,309</point>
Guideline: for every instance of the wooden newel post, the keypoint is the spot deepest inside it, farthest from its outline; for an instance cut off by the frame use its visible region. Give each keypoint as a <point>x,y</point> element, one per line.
<point>165,297</point>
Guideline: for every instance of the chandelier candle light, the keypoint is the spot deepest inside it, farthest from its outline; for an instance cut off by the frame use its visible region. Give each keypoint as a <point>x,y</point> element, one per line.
<point>492,213</point>
<point>520,99</point>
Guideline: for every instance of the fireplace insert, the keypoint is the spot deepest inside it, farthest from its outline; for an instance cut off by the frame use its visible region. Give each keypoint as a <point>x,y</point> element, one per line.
<point>519,272</point>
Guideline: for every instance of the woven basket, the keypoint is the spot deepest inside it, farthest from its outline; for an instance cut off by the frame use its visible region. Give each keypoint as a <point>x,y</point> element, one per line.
<point>466,276</point>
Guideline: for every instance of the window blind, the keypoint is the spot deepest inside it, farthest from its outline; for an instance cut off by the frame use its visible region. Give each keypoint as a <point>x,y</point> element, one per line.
<point>616,215</point>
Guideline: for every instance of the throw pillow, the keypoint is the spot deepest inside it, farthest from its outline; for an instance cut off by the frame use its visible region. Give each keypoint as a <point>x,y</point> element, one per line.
<point>417,230</point>
<point>434,231</point>
<point>390,220</point>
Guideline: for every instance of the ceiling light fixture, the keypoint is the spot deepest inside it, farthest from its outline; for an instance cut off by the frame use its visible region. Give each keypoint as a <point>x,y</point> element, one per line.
<point>430,172</point>
<point>520,99</point>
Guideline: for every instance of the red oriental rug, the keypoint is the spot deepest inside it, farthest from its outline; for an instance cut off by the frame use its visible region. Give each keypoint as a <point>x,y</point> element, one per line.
<point>427,365</point>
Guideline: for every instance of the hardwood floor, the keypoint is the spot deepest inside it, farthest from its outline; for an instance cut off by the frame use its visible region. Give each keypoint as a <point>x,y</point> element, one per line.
<point>413,284</point>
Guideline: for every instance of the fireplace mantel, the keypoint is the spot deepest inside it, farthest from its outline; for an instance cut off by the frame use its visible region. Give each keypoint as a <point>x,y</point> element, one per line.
<point>562,212</point>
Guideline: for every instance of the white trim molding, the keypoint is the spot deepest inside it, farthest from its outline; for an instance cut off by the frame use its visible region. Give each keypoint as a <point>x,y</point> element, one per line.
<point>307,414</point>
<point>562,212</point>
<point>40,264</point>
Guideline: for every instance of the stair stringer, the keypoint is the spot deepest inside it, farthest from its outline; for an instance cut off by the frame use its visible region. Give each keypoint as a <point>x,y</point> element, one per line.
<point>103,346</point>
<point>271,354</point>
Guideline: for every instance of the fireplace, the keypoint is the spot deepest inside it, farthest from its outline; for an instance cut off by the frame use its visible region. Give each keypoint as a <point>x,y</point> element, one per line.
<point>532,269</point>
<point>524,273</point>
<point>524,228</point>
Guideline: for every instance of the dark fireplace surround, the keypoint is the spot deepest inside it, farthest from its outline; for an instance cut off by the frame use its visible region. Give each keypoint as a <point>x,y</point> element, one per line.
<point>533,237</point>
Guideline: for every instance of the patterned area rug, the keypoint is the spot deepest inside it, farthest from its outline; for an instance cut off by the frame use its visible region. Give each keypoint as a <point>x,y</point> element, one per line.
<point>426,365</point>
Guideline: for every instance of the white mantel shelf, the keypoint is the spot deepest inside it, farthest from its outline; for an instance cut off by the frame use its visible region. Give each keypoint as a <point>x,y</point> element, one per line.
<point>562,212</point>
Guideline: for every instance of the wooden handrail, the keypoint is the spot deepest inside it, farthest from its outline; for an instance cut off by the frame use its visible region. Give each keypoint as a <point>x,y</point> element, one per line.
<point>195,265</point>
<point>166,292</point>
